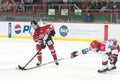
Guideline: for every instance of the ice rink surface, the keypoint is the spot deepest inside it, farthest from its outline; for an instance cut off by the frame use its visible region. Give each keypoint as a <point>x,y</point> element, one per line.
<point>14,52</point>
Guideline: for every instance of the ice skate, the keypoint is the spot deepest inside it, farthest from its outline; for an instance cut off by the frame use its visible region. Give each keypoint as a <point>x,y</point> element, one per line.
<point>103,69</point>
<point>56,62</point>
<point>38,63</point>
<point>112,67</point>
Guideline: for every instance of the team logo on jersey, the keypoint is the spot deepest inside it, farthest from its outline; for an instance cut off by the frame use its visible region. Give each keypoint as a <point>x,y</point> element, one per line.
<point>17,29</point>
<point>63,30</point>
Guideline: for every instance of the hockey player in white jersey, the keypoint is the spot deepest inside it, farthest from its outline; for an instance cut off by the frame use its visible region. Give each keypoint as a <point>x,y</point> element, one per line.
<point>108,49</point>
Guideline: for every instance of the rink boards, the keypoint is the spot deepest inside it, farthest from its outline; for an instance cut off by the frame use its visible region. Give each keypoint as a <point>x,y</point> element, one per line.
<point>64,31</point>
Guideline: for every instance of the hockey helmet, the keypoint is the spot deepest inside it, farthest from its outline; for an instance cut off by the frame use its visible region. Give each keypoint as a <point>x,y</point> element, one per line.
<point>94,44</point>
<point>34,22</point>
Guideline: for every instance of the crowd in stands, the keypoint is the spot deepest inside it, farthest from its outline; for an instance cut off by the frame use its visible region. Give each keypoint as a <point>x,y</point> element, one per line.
<point>17,5</point>
<point>99,5</point>
<point>95,5</point>
<point>27,5</point>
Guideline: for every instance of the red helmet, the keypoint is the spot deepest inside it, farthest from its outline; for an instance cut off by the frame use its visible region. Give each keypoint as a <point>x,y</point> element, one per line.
<point>94,44</point>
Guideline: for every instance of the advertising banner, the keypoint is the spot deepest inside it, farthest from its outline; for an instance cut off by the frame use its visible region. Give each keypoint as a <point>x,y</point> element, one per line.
<point>64,31</point>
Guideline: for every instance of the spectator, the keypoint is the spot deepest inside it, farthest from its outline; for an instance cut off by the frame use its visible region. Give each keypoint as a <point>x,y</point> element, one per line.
<point>60,20</point>
<point>6,6</point>
<point>88,18</point>
<point>35,1</point>
<point>1,6</point>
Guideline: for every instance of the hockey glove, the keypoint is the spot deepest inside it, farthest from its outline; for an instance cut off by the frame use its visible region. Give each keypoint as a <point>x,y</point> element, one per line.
<point>43,45</point>
<point>52,32</point>
<point>84,51</point>
<point>74,54</point>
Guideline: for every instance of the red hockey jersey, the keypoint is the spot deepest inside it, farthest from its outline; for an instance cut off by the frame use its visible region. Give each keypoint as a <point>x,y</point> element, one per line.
<point>42,33</point>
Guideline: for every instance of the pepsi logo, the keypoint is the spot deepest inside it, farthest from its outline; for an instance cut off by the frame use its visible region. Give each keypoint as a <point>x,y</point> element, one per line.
<point>17,29</point>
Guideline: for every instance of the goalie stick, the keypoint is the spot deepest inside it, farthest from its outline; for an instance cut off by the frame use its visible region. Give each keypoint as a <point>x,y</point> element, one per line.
<point>23,68</point>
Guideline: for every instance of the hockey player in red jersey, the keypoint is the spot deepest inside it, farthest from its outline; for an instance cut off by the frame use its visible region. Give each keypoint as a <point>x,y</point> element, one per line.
<point>109,52</point>
<point>42,36</point>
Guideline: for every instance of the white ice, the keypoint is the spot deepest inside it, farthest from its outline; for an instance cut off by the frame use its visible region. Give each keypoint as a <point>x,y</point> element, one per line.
<point>14,52</point>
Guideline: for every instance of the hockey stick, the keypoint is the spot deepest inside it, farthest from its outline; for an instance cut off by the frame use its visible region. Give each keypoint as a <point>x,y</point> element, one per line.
<point>23,68</point>
<point>33,67</point>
